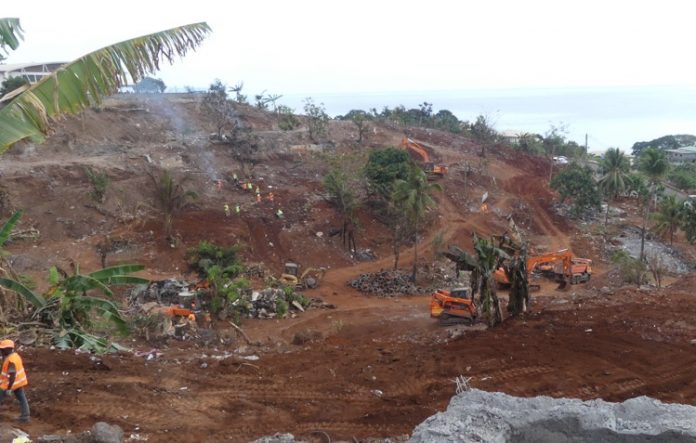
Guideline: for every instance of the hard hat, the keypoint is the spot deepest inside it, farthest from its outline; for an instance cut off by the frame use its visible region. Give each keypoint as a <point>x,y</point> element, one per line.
<point>4,344</point>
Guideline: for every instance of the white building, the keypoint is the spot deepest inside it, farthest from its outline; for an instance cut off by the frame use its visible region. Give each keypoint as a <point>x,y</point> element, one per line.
<point>30,71</point>
<point>686,154</point>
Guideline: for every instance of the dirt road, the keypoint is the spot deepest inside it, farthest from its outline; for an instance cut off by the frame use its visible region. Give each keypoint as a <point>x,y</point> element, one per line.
<point>378,369</point>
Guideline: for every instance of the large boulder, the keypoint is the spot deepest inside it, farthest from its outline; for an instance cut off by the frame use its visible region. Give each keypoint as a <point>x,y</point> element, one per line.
<point>479,416</point>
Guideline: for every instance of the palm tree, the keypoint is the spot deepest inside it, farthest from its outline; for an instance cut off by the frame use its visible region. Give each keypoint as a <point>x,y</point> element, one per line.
<point>414,194</point>
<point>668,217</point>
<point>653,163</point>
<point>613,183</point>
<point>87,80</point>
<point>170,197</point>
<point>10,33</point>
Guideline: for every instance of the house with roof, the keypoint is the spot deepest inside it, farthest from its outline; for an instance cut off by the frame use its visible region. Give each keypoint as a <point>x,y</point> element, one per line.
<point>686,154</point>
<point>30,71</point>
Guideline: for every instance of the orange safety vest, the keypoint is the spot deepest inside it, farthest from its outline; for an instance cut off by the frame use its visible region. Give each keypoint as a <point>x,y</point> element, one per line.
<point>20,380</point>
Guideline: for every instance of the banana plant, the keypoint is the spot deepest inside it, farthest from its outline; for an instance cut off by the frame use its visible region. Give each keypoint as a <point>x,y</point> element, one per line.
<point>69,305</point>
<point>87,80</point>
<point>489,258</point>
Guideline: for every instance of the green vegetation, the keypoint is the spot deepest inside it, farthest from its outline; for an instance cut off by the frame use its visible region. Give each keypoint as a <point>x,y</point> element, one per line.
<point>666,142</point>
<point>653,164</point>
<point>668,217</point>
<point>99,182</point>
<point>487,260</point>
<point>688,220</point>
<point>384,167</point>
<point>287,120</point>
<point>613,183</point>
<point>341,189</point>
<point>218,108</point>
<point>683,176</point>
<point>631,269</point>
<point>69,306</point>
<point>12,83</point>
<point>414,196</point>
<point>317,119</point>
<point>222,267</point>
<point>576,183</point>
<point>170,198</point>
<point>83,83</point>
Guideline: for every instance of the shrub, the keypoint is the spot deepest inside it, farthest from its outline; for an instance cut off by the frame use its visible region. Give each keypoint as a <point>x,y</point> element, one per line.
<point>99,182</point>
<point>631,269</point>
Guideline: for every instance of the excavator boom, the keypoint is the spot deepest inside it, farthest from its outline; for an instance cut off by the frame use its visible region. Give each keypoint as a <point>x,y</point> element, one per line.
<point>430,167</point>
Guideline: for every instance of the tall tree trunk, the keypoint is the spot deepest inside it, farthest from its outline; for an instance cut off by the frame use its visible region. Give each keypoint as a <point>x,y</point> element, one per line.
<point>642,230</point>
<point>415,257</point>
<point>606,217</point>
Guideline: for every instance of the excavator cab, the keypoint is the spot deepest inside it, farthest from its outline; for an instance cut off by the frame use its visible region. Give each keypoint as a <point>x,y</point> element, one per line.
<point>454,306</point>
<point>292,269</point>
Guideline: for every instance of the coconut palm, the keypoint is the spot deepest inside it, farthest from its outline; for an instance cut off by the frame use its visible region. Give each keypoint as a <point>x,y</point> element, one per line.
<point>414,194</point>
<point>668,217</point>
<point>654,164</point>
<point>87,80</point>
<point>613,182</point>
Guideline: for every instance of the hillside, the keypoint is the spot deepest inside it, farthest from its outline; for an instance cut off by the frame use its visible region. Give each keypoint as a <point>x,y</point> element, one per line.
<point>370,367</point>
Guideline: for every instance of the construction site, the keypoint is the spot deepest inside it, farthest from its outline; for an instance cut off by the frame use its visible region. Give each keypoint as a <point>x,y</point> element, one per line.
<point>323,340</point>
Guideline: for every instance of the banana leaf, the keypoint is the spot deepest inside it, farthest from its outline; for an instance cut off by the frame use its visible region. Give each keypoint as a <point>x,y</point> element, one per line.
<point>6,229</point>
<point>118,270</point>
<point>29,295</point>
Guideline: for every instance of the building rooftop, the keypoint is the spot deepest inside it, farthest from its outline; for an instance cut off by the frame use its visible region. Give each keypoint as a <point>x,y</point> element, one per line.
<point>684,150</point>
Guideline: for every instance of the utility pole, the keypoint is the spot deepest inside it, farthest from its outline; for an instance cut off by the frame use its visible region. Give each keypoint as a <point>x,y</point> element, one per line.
<point>586,143</point>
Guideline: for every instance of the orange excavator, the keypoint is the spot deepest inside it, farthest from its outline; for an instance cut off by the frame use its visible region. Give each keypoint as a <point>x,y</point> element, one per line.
<point>453,306</point>
<point>428,166</point>
<point>562,265</point>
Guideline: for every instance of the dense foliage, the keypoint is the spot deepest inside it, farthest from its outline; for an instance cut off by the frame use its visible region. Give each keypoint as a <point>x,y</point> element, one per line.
<point>576,183</point>
<point>384,167</point>
<point>665,142</point>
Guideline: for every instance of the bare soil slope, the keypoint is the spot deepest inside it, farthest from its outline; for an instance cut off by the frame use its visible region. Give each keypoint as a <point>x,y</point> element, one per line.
<point>372,366</point>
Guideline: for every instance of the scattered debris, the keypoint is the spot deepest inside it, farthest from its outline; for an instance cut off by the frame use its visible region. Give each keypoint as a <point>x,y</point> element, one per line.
<point>386,283</point>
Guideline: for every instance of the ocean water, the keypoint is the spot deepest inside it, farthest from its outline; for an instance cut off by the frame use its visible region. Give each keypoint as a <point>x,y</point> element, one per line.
<point>611,117</point>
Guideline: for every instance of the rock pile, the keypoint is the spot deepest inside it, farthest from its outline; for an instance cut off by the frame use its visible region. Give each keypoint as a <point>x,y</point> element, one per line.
<point>476,416</point>
<point>386,283</point>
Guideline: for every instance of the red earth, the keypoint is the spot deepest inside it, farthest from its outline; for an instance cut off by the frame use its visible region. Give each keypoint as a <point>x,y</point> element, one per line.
<point>372,367</point>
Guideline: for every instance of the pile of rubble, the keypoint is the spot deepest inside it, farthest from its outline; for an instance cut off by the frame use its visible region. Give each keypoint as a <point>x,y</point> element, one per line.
<point>274,302</point>
<point>386,283</point>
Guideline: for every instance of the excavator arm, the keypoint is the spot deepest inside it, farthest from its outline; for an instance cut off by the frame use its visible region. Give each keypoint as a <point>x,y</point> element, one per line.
<point>407,143</point>
<point>430,167</point>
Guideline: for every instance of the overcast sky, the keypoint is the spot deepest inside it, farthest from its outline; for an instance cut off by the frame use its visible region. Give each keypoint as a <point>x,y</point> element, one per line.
<point>306,47</point>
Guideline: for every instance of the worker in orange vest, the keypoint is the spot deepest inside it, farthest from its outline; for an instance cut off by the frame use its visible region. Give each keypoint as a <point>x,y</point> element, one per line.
<point>13,379</point>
